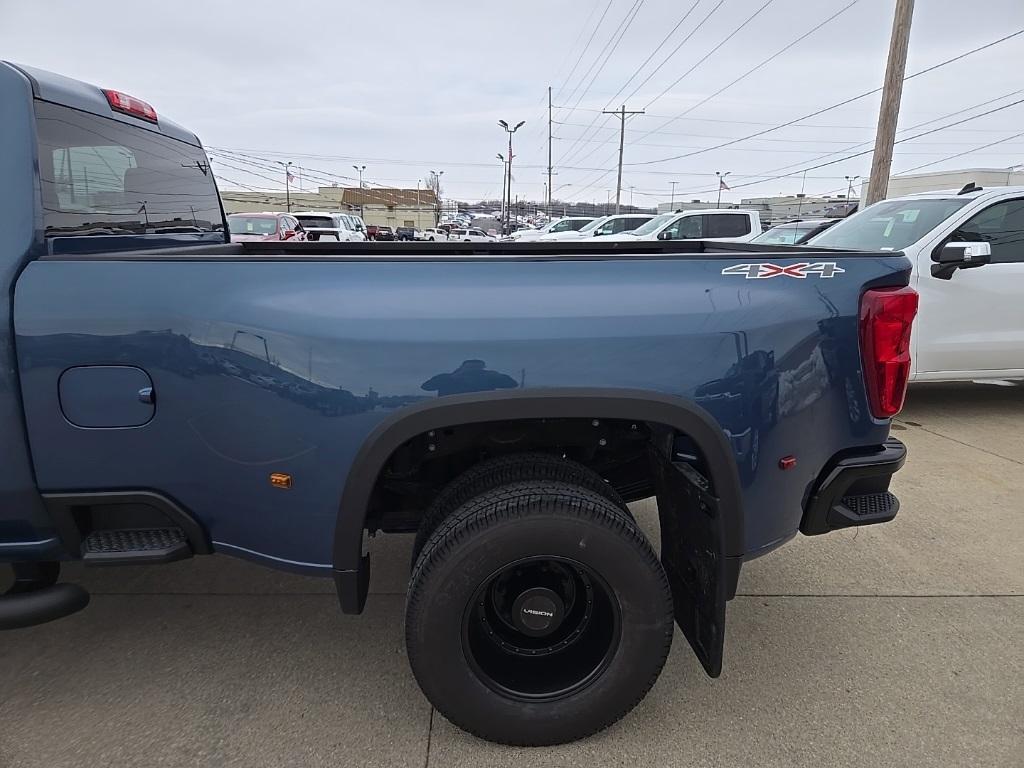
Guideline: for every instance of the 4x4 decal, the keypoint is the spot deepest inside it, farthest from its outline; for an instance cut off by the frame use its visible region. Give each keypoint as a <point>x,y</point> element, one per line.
<point>764,270</point>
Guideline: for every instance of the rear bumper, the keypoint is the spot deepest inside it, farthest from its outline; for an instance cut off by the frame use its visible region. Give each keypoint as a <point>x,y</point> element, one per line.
<point>854,490</point>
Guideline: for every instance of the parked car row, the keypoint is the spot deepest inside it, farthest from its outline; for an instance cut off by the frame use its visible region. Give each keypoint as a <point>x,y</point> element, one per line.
<point>716,224</point>
<point>301,225</point>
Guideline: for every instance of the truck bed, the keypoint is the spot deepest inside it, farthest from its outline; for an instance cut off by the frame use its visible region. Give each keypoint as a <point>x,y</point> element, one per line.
<point>286,362</point>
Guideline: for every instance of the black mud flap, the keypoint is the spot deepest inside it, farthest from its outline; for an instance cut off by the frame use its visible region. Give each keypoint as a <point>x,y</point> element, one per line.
<point>693,554</point>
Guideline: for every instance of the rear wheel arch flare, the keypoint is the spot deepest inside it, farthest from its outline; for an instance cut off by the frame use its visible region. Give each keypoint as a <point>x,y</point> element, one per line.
<point>407,423</point>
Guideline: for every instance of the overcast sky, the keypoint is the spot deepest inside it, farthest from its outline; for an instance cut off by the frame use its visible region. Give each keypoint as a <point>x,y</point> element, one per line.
<point>405,87</point>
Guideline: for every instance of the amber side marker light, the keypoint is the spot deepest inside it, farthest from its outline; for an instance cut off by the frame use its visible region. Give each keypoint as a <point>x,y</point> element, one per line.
<point>280,480</point>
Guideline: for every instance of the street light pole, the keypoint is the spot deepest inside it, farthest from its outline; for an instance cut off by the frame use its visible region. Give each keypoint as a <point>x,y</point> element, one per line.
<point>672,202</point>
<point>359,169</point>
<point>849,186</point>
<point>721,182</point>
<point>504,178</point>
<point>508,186</point>
<point>435,177</point>
<point>287,184</point>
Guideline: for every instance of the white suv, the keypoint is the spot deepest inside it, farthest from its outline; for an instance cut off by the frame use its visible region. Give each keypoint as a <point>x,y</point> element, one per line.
<point>328,225</point>
<point>606,225</point>
<point>712,224</point>
<point>471,235</point>
<point>565,224</point>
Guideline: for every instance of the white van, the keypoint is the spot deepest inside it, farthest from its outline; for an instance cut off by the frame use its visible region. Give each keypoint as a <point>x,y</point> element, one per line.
<point>967,252</point>
<point>712,224</point>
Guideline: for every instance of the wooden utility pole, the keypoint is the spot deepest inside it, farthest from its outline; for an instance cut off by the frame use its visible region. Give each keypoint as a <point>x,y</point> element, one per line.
<point>888,114</point>
<point>622,140</point>
<point>549,152</point>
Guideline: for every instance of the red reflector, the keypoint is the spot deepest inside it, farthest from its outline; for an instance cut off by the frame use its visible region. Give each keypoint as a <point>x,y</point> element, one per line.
<point>129,105</point>
<point>886,315</point>
<point>787,462</point>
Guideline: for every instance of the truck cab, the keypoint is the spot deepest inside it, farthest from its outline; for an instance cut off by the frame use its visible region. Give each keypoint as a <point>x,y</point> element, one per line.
<point>967,250</point>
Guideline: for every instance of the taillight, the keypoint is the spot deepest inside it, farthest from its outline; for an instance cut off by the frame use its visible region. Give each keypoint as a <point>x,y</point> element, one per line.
<point>886,315</point>
<point>129,105</point>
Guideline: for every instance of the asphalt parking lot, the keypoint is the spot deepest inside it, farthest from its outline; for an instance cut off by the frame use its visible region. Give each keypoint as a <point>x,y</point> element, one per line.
<point>897,645</point>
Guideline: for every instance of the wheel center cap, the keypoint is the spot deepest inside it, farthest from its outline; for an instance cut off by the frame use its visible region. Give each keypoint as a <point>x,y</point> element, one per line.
<point>538,612</point>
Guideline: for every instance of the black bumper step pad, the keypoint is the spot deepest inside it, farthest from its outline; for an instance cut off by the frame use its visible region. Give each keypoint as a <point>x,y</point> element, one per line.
<point>864,509</point>
<point>139,545</point>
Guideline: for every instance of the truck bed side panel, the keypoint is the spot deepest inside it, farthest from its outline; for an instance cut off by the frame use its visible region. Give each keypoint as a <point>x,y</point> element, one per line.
<point>286,366</point>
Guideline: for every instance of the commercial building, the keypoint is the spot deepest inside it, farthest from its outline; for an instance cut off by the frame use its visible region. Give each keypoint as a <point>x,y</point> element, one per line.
<point>690,205</point>
<point>381,206</point>
<point>775,209</point>
<point>779,208</point>
<point>930,182</point>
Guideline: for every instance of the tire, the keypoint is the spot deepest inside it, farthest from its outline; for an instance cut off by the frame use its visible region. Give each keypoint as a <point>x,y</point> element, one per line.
<point>502,470</point>
<point>499,637</point>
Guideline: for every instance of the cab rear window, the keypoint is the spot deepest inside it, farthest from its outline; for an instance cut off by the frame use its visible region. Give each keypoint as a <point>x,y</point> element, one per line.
<point>104,177</point>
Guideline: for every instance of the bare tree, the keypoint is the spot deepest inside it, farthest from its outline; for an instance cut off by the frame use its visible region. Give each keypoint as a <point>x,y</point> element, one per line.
<point>433,183</point>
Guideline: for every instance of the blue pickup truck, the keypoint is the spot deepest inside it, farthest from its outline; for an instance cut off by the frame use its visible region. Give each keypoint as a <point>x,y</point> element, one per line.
<point>165,393</point>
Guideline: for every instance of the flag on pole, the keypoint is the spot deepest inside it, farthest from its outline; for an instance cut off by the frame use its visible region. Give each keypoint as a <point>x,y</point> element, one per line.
<point>722,184</point>
<point>290,177</point>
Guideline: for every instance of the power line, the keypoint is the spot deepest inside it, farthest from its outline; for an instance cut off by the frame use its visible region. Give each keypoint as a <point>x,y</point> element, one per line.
<point>802,142</point>
<point>829,108</point>
<point>706,56</point>
<point>614,42</point>
<point>675,50</point>
<point>709,54</point>
<point>762,63</point>
<point>898,141</point>
<point>965,152</point>
<point>766,150</point>
<point>651,56</point>
<point>754,122</point>
<point>914,127</point>
<point>590,39</point>
<point>267,164</point>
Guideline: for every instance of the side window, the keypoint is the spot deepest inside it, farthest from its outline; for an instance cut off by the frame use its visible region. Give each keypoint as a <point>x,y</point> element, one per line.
<point>609,227</point>
<point>727,225</point>
<point>635,222</point>
<point>1002,226</point>
<point>685,228</point>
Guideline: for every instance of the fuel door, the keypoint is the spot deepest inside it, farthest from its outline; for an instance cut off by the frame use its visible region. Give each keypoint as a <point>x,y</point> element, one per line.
<point>107,396</point>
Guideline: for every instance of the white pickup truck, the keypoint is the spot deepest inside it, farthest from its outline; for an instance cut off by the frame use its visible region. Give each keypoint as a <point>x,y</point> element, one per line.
<point>967,251</point>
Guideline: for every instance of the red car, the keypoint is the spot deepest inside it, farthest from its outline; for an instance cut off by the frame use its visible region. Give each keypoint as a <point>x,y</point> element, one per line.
<point>264,226</point>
